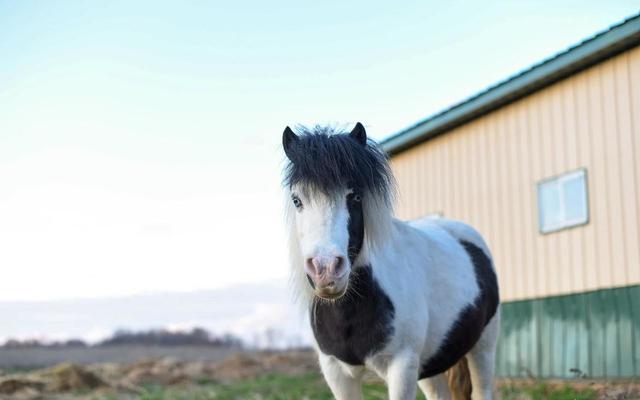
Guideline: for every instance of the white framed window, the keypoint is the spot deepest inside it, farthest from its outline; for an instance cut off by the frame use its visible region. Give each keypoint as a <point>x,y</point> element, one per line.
<point>563,201</point>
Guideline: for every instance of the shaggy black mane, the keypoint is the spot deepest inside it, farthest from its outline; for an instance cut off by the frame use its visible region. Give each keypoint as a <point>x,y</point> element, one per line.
<point>329,160</point>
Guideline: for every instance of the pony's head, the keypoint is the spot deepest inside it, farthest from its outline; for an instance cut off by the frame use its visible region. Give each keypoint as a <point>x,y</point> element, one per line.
<point>339,193</point>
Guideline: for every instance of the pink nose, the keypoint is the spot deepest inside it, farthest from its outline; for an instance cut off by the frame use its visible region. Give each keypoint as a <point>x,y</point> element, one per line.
<point>324,270</point>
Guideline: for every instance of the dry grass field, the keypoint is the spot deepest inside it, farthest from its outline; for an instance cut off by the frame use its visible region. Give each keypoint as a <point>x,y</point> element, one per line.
<point>248,375</point>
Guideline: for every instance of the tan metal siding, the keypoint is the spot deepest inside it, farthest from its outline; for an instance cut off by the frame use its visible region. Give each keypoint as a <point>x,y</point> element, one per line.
<point>633,70</point>
<point>485,173</point>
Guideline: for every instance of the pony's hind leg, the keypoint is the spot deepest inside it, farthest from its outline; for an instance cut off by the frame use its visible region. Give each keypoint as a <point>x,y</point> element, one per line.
<point>435,388</point>
<point>482,361</point>
<point>343,385</point>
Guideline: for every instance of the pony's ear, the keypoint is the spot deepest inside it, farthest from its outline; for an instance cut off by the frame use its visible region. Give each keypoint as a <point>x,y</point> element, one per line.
<point>359,134</point>
<point>289,139</point>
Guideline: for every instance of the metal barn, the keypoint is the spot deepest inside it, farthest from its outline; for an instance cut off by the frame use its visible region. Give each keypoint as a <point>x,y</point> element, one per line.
<point>547,166</point>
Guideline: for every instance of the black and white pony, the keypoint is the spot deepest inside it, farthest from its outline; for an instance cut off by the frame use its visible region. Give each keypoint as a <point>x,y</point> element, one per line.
<point>406,301</point>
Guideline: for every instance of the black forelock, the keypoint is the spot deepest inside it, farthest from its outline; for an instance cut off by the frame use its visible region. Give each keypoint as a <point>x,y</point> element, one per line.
<point>329,160</point>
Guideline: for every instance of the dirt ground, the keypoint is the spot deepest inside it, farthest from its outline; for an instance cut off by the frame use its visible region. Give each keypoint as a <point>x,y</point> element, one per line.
<point>127,380</point>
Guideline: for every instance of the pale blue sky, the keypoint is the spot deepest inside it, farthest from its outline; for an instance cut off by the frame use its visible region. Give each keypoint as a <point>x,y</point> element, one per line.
<point>139,140</point>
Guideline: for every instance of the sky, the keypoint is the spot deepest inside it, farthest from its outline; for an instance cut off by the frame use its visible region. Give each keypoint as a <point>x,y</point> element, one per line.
<point>260,314</point>
<point>140,141</point>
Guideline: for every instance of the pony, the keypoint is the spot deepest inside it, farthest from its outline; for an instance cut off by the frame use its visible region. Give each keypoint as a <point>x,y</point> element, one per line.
<point>407,301</point>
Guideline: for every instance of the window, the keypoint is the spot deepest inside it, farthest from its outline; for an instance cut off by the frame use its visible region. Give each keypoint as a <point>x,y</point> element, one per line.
<point>562,201</point>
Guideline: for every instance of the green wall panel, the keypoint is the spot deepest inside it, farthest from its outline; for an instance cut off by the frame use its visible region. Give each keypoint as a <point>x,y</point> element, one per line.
<point>595,333</point>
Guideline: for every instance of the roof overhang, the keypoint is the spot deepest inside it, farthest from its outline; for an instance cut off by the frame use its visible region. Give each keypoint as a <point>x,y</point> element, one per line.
<point>604,45</point>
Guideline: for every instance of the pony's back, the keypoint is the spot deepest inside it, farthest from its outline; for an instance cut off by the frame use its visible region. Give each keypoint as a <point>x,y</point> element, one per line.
<point>457,229</point>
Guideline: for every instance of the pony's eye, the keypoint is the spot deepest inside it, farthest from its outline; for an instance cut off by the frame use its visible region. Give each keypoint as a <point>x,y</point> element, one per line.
<point>356,197</point>
<point>296,201</point>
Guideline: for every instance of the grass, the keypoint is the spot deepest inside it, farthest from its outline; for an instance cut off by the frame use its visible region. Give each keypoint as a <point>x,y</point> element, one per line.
<point>542,391</point>
<point>268,387</point>
<point>17,370</point>
<point>313,387</point>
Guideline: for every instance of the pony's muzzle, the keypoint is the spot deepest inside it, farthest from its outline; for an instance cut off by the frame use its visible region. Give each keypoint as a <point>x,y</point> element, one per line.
<point>325,267</point>
<point>328,274</point>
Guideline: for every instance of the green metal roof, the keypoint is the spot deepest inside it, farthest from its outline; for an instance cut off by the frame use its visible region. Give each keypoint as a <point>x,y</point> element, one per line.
<point>597,48</point>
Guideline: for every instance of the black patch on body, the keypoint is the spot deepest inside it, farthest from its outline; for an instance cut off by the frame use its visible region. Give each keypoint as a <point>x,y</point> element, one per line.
<point>358,324</point>
<point>355,226</point>
<point>468,327</point>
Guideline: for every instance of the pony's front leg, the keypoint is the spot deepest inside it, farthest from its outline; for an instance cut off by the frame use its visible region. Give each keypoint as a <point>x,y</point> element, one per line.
<point>402,376</point>
<point>343,385</point>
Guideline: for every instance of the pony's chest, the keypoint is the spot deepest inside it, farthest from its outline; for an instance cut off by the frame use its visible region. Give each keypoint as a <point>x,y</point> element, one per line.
<point>357,325</point>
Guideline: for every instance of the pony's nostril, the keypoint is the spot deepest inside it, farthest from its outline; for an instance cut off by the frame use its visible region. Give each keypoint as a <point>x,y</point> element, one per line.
<point>310,266</point>
<point>338,266</point>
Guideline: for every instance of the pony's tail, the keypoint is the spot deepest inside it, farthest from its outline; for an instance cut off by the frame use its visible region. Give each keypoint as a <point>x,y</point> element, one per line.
<point>459,380</point>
